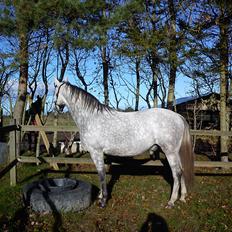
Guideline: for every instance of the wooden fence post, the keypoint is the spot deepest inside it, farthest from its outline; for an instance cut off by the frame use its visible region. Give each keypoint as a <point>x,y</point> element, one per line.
<point>54,143</point>
<point>12,152</point>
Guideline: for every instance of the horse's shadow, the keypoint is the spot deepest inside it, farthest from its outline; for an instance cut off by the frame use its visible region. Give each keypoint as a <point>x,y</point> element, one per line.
<point>133,167</point>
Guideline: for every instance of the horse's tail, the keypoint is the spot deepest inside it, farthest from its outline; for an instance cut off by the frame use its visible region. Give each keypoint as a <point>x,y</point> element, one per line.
<point>187,157</point>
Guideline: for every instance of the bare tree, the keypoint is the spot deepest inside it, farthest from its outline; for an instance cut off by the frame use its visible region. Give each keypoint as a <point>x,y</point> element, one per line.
<point>6,71</point>
<point>172,47</point>
<point>78,57</point>
<point>63,53</point>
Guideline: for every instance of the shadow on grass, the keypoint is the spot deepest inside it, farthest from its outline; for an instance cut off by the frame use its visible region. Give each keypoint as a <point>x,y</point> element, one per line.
<point>155,223</point>
<point>130,166</point>
<point>57,226</point>
<point>18,223</point>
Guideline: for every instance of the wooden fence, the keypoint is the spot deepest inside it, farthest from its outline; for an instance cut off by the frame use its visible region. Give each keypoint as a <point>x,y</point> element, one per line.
<point>12,153</point>
<point>14,159</point>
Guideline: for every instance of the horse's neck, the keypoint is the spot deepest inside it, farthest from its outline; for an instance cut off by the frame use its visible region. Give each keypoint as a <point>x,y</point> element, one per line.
<point>80,114</point>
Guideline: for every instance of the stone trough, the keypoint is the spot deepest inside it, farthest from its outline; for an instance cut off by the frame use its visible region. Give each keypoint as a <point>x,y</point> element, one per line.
<point>57,195</point>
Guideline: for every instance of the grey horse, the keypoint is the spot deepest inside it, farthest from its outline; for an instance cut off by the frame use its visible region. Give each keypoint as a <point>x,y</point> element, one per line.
<point>107,131</point>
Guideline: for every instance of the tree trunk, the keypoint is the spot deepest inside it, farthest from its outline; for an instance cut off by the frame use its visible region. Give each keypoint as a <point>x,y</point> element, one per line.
<point>78,73</point>
<point>171,88</point>
<point>23,77</point>
<point>154,68</point>
<point>22,87</point>
<point>155,90</point>
<point>172,55</point>
<point>137,91</point>
<point>105,64</point>
<point>117,99</point>
<point>64,60</point>
<point>223,25</point>
<point>153,58</point>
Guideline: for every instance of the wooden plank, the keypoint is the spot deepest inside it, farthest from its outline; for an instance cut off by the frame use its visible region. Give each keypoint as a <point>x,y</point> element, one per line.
<point>55,134</point>
<point>12,151</point>
<point>65,160</point>
<point>199,164</point>
<point>9,128</point>
<point>8,167</point>
<point>49,128</point>
<point>211,132</point>
<point>45,139</point>
<point>212,164</point>
<point>43,134</point>
<point>59,160</point>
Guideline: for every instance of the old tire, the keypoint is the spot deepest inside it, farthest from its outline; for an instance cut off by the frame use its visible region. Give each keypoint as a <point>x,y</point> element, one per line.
<point>57,195</point>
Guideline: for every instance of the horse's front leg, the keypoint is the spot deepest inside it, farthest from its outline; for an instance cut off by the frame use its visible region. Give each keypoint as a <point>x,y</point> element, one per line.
<point>98,160</point>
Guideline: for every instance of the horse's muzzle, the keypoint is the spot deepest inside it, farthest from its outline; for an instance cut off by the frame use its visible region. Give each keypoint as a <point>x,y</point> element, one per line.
<point>59,108</point>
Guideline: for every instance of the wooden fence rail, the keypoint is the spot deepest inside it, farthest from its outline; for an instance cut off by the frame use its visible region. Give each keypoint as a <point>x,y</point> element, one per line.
<point>75,129</point>
<point>9,128</point>
<point>64,160</point>
<point>211,133</point>
<point>49,128</point>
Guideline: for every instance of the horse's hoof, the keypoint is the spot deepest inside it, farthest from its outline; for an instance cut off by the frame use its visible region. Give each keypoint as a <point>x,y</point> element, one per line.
<point>183,200</point>
<point>170,205</point>
<point>102,203</point>
<point>102,206</point>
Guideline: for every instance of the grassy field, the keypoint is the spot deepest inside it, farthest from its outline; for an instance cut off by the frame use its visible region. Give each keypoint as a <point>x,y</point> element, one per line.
<point>137,202</point>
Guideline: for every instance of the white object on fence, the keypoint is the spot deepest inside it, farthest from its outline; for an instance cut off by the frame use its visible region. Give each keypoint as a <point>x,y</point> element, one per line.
<point>75,147</point>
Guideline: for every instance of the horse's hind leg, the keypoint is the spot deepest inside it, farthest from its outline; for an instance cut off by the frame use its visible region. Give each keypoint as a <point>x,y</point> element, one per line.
<point>176,174</point>
<point>183,189</point>
<point>98,160</point>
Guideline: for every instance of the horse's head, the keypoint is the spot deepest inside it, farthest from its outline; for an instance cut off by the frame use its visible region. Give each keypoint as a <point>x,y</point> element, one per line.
<point>59,101</point>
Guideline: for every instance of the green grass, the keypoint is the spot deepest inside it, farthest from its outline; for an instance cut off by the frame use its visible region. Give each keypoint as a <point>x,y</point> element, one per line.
<point>137,203</point>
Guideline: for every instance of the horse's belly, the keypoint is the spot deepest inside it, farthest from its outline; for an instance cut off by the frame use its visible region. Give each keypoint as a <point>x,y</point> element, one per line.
<point>125,152</point>
<point>131,148</point>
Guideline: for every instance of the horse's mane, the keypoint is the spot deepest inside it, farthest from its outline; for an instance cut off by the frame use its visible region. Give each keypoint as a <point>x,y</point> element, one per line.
<point>89,101</point>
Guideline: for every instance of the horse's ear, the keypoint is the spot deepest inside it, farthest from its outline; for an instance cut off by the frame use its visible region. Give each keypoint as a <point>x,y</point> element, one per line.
<point>57,82</point>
